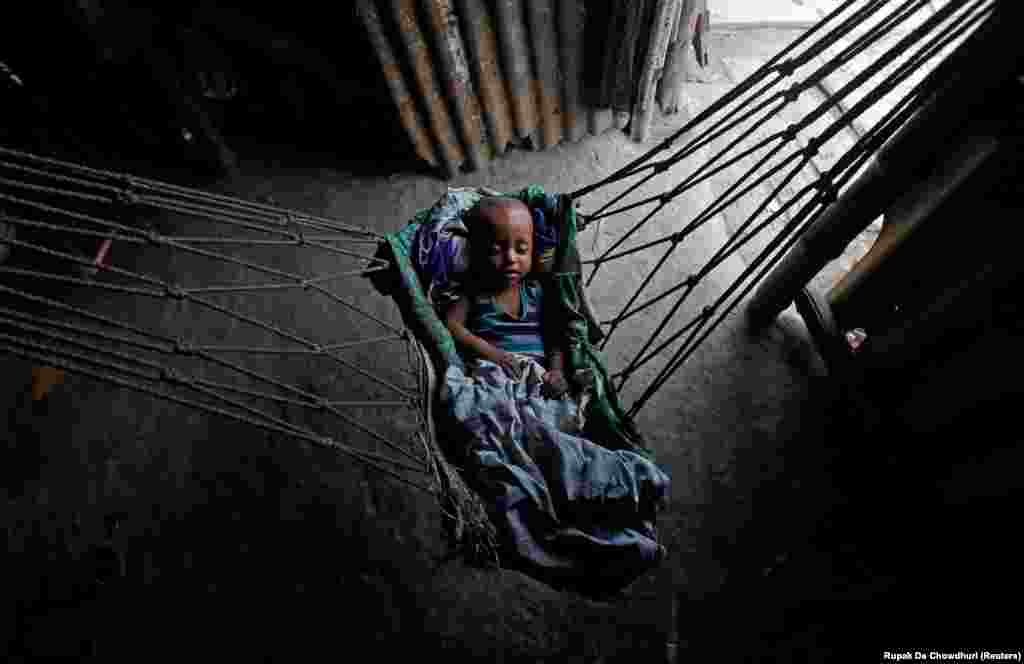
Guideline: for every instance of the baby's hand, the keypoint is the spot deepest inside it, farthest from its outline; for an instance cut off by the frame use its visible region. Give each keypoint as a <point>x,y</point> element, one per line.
<point>555,384</point>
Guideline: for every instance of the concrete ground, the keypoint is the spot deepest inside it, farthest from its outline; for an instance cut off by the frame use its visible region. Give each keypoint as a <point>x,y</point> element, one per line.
<point>752,432</point>
<point>768,13</point>
<point>756,14</point>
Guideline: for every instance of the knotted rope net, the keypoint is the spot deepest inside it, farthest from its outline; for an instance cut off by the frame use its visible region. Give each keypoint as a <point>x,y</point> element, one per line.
<point>190,296</point>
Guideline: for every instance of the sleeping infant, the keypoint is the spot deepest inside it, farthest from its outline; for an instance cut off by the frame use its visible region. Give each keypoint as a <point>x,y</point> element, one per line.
<point>500,317</point>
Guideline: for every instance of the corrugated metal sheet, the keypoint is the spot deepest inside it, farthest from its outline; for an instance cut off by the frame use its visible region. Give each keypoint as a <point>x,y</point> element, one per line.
<point>472,77</point>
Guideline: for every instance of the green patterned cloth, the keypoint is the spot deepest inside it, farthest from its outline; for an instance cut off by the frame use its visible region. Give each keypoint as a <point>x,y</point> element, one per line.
<point>607,423</point>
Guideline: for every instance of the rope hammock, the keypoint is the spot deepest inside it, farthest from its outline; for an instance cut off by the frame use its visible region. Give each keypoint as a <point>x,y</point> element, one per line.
<point>71,308</point>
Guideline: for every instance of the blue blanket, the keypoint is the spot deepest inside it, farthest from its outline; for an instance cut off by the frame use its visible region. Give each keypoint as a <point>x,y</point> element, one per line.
<point>571,510</point>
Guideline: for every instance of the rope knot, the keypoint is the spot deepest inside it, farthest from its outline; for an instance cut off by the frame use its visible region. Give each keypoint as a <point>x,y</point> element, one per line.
<point>707,312</point>
<point>172,375</point>
<point>790,132</point>
<point>812,147</point>
<point>786,67</point>
<point>170,290</point>
<point>691,281</point>
<point>794,92</point>
<point>299,238</point>
<point>127,197</point>
<point>185,348</point>
<point>661,166</point>
<point>154,237</point>
<point>665,198</point>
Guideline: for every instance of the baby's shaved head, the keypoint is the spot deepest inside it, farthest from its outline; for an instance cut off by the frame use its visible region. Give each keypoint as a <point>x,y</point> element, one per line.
<point>502,238</point>
<point>491,207</point>
<point>500,201</point>
<point>492,211</point>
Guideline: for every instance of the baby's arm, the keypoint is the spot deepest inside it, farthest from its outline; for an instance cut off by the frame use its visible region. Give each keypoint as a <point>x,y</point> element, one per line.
<point>456,321</point>
<point>554,341</point>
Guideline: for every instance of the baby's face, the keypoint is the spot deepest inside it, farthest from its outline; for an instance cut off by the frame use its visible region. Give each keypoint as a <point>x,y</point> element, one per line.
<point>508,234</point>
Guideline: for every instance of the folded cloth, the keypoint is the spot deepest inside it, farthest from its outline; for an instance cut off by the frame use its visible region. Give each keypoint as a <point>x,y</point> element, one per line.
<point>524,382</point>
<point>567,506</point>
<point>545,237</point>
<point>440,249</point>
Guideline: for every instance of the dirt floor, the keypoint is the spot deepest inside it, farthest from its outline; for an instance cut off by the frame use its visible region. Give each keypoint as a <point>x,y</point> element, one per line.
<point>794,531</point>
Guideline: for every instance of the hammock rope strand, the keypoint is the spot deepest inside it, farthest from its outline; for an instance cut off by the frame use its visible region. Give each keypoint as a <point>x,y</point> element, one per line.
<point>736,242</point>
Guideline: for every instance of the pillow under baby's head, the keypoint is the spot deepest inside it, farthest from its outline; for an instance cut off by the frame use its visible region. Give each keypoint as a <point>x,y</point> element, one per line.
<point>442,247</point>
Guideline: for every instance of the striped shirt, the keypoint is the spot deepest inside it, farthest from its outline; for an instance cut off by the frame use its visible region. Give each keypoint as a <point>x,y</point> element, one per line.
<point>489,321</point>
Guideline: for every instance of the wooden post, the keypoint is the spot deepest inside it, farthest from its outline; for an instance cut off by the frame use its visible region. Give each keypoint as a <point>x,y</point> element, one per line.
<point>620,67</point>
<point>654,62</point>
<point>670,87</point>
<point>600,120</point>
<point>596,48</point>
